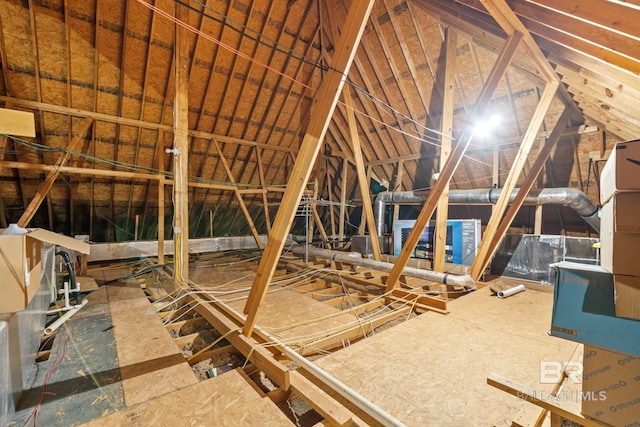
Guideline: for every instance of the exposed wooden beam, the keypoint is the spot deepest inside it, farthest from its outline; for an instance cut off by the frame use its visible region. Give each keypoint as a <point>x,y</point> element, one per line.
<point>265,201</point>
<point>161,222</point>
<point>53,175</point>
<point>442,209</point>
<point>486,249</point>
<point>497,72</point>
<point>343,200</point>
<point>362,175</point>
<point>181,150</point>
<point>110,174</point>
<point>51,108</point>
<point>326,100</point>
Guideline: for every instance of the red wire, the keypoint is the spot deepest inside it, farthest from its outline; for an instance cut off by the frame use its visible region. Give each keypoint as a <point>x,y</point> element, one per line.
<point>268,67</point>
<point>58,361</point>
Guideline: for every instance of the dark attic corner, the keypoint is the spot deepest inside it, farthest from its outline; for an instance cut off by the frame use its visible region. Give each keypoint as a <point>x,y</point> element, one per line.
<point>319,213</point>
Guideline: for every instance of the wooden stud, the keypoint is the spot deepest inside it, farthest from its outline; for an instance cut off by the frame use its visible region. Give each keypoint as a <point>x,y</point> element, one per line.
<point>343,200</point>
<point>537,223</point>
<point>554,405</point>
<point>326,100</point>
<point>161,222</point>
<point>263,183</point>
<point>362,175</point>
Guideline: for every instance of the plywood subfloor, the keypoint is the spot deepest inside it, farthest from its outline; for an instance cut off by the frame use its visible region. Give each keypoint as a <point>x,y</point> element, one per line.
<point>432,369</point>
<point>289,314</point>
<point>226,400</point>
<point>150,363</point>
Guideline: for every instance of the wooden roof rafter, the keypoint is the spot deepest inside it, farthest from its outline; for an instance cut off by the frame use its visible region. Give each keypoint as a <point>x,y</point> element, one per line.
<point>203,103</point>
<point>279,79</point>
<point>141,116</point>
<point>229,88</point>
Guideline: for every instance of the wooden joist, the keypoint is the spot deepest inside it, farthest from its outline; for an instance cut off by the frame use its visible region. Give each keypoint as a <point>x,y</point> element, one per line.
<point>553,404</point>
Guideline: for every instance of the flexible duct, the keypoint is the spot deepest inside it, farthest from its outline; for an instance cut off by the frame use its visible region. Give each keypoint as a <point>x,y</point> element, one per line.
<point>354,258</point>
<point>570,197</point>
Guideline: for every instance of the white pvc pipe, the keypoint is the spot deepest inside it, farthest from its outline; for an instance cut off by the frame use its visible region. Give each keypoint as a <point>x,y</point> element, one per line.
<point>55,325</point>
<point>511,291</point>
<point>333,383</point>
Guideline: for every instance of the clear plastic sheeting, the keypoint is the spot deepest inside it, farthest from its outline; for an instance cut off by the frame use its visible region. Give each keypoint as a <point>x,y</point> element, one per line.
<point>529,256</point>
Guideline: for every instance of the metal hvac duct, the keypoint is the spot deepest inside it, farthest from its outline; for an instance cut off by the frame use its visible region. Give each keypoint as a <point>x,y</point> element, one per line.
<point>570,197</point>
<point>355,258</point>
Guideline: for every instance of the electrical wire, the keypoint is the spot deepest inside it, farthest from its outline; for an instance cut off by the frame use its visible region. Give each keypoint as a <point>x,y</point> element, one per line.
<point>282,74</point>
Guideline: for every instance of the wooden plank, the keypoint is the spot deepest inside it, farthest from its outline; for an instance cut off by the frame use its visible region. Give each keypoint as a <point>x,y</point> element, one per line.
<point>223,400</point>
<point>176,326</point>
<point>362,175</point>
<point>350,334</point>
<point>554,404</point>
<point>331,410</point>
<point>30,211</point>
<point>161,222</point>
<point>326,100</point>
<point>442,351</point>
<point>249,347</point>
<point>75,112</point>
<point>19,123</point>
<point>423,299</point>
<point>247,216</point>
<point>263,183</point>
<point>150,365</point>
<point>343,200</point>
<point>498,70</point>
<point>197,358</point>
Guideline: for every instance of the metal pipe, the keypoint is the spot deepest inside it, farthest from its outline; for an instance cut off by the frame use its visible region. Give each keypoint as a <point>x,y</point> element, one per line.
<point>355,258</point>
<point>570,197</point>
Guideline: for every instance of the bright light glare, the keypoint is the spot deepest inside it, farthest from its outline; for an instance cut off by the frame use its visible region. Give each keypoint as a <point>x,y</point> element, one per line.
<point>486,125</point>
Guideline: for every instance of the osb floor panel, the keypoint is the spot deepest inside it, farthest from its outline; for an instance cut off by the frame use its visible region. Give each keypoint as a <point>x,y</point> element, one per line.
<point>432,369</point>
<point>284,308</point>
<point>226,400</point>
<point>276,314</point>
<point>150,362</point>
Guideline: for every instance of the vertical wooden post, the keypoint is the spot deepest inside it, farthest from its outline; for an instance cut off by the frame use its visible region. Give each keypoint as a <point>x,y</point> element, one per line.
<point>398,187</point>
<point>181,153</point>
<point>537,224</point>
<point>210,223</point>
<point>362,175</point>
<point>343,200</point>
<point>331,213</point>
<point>440,238</point>
<point>326,100</point>
<point>265,200</point>
<point>161,221</point>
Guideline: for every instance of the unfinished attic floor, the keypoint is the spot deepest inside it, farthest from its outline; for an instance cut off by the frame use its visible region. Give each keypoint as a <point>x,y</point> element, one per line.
<point>126,360</point>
